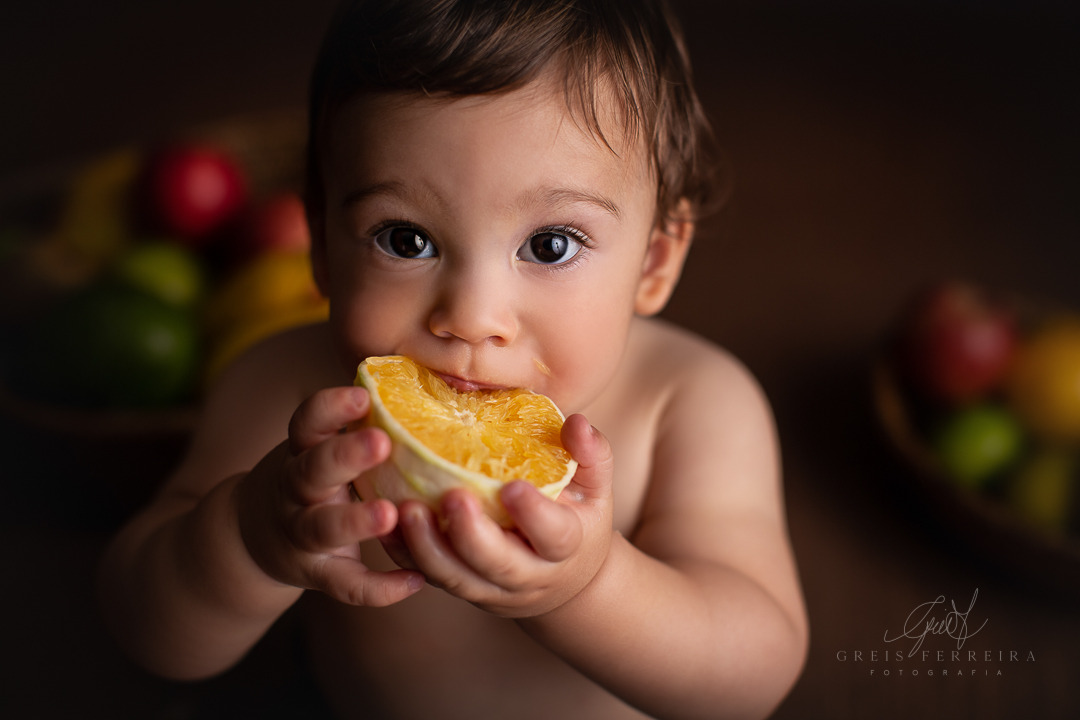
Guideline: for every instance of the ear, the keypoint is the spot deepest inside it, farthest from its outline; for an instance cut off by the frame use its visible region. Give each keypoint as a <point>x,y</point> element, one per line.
<point>668,246</point>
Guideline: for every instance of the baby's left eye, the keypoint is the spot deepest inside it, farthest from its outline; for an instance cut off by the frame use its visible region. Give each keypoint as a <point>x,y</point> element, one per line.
<point>549,248</point>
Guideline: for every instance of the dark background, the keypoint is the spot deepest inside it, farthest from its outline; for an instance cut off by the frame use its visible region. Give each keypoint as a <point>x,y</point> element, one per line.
<point>875,147</point>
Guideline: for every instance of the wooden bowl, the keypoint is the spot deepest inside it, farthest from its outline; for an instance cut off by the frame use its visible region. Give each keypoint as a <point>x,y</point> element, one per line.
<point>95,467</point>
<point>120,454</point>
<point>985,524</point>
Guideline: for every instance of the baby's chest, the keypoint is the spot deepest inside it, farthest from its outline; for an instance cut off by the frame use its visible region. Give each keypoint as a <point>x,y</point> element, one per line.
<point>434,656</point>
<point>633,443</point>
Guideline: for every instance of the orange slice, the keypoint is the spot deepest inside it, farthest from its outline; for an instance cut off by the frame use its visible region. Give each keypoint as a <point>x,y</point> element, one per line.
<point>443,438</point>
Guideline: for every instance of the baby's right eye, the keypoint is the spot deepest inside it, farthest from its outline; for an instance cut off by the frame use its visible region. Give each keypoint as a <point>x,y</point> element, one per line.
<point>405,242</point>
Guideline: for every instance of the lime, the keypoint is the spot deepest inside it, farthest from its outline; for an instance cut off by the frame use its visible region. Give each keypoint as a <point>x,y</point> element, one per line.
<point>165,270</point>
<point>978,442</point>
<point>111,345</point>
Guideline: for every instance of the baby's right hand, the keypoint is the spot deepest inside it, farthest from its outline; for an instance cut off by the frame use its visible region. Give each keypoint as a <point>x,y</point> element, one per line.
<point>298,516</point>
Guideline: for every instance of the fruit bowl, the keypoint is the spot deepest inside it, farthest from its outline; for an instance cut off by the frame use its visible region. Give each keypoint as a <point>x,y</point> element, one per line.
<point>985,523</point>
<point>122,454</point>
<point>79,228</point>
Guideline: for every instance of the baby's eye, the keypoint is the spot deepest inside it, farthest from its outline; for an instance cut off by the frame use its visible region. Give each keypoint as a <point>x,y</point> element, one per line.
<point>549,248</point>
<point>405,242</point>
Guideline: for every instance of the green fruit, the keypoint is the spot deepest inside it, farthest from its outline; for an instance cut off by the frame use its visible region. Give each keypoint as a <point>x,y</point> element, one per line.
<point>1043,487</point>
<point>977,443</point>
<point>165,270</point>
<point>112,346</point>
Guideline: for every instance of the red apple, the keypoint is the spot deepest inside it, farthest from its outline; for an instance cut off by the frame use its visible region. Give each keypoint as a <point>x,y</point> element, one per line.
<point>277,223</point>
<point>191,192</point>
<point>956,343</point>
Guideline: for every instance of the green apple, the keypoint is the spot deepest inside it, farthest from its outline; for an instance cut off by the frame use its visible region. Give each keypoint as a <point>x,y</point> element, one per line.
<point>977,443</point>
<point>165,270</point>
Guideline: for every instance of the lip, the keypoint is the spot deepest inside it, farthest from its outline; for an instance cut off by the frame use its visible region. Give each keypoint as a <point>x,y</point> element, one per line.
<point>463,385</point>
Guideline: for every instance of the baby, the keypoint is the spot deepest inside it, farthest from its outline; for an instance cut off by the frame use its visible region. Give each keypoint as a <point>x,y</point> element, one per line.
<point>505,191</point>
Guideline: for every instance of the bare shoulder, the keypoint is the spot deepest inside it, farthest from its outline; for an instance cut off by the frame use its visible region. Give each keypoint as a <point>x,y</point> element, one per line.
<point>716,490</point>
<point>682,366</point>
<point>246,411</point>
<point>716,453</point>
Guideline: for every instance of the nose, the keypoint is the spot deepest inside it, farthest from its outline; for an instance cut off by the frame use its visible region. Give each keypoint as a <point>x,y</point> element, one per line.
<point>475,305</point>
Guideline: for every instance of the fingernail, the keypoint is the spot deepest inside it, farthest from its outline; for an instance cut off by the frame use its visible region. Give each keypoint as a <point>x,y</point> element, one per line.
<point>379,513</point>
<point>413,515</point>
<point>514,490</point>
<point>373,442</point>
<point>452,503</point>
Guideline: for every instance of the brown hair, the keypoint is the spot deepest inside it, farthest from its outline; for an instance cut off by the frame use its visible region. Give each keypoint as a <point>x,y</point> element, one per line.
<point>472,47</point>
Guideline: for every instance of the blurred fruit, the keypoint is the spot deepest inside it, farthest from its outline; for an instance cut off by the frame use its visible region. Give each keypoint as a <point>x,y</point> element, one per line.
<point>190,192</point>
<point>111,345</point>
<point>95,220</point>
<point>232,344</point>
<point>1044,487</point>
<point>278,223</point>
<point>94,224</point>
<point>271,283</point>
<point>165,270</point>
<point>977,443</point>
<point>273,292</point>
<point>443,438</point>
<point>1044,384</point>
<point>956,343</point>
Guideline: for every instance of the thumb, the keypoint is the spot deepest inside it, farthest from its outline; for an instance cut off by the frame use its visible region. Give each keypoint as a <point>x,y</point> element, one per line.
<point>592,451</point>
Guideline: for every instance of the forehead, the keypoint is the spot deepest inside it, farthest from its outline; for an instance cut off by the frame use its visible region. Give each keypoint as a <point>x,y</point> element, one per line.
<point>510,139</point>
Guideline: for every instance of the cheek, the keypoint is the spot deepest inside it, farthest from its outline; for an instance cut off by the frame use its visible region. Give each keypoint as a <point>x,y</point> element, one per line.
<point>585,347</point>
<point>371,317</point>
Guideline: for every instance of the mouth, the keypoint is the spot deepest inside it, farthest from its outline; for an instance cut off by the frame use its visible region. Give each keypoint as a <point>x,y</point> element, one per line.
<point>463,385</point>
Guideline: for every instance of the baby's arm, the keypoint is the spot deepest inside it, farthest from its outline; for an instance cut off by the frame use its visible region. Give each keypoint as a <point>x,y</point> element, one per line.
<point>699,614</point>
<point>193,581</point>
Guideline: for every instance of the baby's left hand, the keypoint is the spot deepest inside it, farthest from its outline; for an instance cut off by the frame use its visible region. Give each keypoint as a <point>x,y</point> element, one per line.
<point>555,550</point>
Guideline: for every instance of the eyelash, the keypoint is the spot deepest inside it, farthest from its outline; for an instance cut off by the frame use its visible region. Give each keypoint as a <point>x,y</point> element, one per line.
<point>385,225</point>
<point>586,242</point>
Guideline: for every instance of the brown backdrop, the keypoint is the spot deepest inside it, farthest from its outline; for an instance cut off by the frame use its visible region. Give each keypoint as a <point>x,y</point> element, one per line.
<point>875,147</point>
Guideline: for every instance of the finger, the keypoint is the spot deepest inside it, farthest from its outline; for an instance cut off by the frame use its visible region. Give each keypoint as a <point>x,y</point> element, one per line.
<point>324,414</point>
<point>595,460</point>
<point>394,545</point>
<point>348,581</point>
<point>552,529</point>
<point>433,555</point>
<point>326,469</point>
<point>499,557</point>
<point>324,527</point>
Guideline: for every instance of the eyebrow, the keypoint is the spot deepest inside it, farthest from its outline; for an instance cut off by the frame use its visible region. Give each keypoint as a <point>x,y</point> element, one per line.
<point>392,187</point>
<point>560,196</point>
<point>544,196</point>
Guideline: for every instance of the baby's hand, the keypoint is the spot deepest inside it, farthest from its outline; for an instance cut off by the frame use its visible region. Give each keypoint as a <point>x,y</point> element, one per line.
<point>297,514</point>
<point>554,552</point>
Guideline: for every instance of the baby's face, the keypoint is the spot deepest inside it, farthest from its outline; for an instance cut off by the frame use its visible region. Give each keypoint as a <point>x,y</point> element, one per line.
<point>488,238</point>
